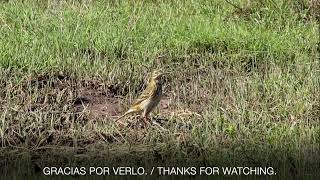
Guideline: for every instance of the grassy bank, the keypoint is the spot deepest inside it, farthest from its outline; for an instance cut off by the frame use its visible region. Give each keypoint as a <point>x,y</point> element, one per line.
<point>243,85</point>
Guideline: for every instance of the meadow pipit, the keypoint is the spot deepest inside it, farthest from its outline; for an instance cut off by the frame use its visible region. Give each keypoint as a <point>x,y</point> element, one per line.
<point>149,98</point>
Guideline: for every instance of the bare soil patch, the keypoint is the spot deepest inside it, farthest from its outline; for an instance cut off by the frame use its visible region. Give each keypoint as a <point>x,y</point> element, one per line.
<point>96,103</point>
<point>93,97</point>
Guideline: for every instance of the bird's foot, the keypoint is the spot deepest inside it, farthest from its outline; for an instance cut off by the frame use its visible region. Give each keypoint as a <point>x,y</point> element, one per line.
<point>146,121</point>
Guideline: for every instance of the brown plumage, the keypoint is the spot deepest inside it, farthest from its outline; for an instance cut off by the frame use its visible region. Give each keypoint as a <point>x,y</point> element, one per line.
<point>149,98</point>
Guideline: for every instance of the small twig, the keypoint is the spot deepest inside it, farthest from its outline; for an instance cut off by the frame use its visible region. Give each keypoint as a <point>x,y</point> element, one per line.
<point>121,135</point>
<point>157,124</point>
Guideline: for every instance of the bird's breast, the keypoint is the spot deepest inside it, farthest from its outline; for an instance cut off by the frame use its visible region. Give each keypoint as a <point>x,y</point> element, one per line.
<point>157,91</point>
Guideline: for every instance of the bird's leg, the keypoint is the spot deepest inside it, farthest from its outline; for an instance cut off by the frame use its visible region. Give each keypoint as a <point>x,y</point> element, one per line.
<point>145,118</point>
<point>146,121</point>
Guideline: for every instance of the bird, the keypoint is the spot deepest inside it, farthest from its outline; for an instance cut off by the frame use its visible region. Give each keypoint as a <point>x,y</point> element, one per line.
<point>149,98</point>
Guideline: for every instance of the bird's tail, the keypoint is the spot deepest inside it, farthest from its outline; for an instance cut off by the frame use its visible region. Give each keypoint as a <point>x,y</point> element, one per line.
<point>125,114</point>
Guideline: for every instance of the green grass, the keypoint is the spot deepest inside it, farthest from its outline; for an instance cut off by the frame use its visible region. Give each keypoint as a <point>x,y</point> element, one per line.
<point>245,75</point>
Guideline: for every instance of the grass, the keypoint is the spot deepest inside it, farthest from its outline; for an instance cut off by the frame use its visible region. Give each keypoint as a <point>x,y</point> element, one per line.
<point>243,89</point>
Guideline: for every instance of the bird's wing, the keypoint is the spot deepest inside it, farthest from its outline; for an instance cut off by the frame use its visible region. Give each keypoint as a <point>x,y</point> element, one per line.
<point>141,98</point>
<point>144,95</point>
